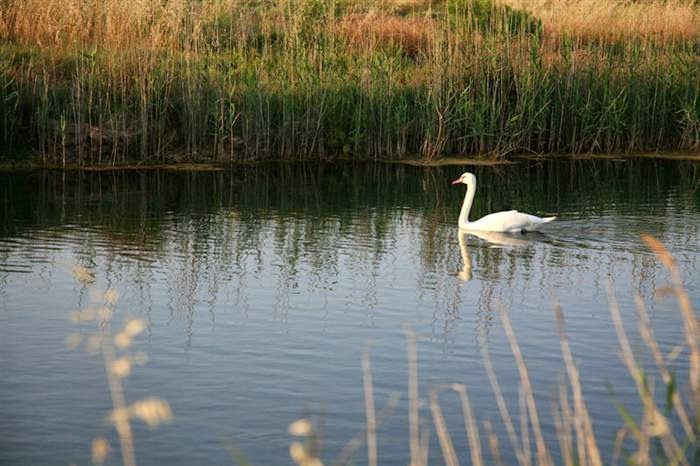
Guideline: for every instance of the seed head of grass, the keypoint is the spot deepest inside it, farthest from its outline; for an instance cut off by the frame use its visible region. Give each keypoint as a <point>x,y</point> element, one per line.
<point>73,340</point>
<point>100,450</point>
<point>301,455</point>
<point>121,367</point>
<point>153,411</point>
<point>301,428</point>
<point>85,315</point>
<point>124,338</point>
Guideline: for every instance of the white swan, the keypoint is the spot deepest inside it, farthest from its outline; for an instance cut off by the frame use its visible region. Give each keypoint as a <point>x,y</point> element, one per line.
<point>508,221</point>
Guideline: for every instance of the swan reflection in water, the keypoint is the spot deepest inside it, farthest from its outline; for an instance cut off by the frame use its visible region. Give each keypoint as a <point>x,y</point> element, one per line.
<point>495,240</point>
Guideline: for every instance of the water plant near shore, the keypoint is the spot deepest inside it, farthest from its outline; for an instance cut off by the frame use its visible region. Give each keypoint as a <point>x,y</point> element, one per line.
<point>97,83</point>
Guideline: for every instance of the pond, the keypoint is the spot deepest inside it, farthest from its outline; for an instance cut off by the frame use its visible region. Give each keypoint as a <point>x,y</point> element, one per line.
<point>262,287</point>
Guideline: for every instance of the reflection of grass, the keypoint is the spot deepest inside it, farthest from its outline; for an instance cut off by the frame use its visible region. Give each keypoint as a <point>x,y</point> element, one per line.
<point>113,82</point>
<point>152,411</point>
<point>654,439</point>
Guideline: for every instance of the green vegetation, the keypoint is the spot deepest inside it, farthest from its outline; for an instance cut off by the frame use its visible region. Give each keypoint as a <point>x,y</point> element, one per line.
<point>108,83</point>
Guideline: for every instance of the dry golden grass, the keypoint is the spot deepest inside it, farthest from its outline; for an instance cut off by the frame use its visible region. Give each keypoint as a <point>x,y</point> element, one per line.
<point>371,31</point>
<point>602,21</point>
<point>63,24</point>
<point>120,25</point>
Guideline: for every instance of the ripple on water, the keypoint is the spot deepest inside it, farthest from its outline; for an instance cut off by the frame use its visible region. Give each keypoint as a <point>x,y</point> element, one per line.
<point>259,307</point>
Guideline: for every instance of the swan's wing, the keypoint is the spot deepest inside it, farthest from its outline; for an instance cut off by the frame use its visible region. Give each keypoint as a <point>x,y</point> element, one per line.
<point>510,220</point>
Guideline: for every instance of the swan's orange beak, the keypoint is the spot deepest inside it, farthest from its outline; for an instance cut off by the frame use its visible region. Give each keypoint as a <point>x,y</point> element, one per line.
<point>457,181</point>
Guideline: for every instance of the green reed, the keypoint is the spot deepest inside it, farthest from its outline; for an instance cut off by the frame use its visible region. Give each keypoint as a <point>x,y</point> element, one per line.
<point>290,79</point>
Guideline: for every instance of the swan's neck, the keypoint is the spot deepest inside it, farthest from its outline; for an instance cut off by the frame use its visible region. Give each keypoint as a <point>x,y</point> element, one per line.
<point>463,221</point>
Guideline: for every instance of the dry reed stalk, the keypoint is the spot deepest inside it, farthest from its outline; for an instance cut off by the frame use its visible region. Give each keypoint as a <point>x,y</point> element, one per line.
<point>690,321</point>
<point>153,411</point>
<point>619,440</point>
<point>470,425</point>
<point>424,445</point>
<point>543,457</point>
<point>120,410</point>
<point>448,450</point>
<point>354,444</point>
<point>562,437</point>
<point>493,444</point>
<point>502,407</point>
<point>559,429</point>
<point>566,424</point>
<point>413,417</point>
<point>642,457</point>
<point>524,420</point>
<point>369,410</point>
<point>654,423</point>
<point>586,443</point>
<point>116,390</point>
<point>647,334</point>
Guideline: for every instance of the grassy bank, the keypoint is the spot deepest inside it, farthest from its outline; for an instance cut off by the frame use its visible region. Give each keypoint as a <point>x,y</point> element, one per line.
<point>110,82</point>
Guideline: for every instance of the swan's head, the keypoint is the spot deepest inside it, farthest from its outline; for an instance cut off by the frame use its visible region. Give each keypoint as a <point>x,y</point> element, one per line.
<point>466,178</point>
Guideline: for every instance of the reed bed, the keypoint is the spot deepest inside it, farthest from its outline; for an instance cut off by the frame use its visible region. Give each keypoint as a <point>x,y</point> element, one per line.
<point>87,82</point>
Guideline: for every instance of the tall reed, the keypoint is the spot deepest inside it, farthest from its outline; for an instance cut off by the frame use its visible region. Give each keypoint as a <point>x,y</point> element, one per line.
<point>108,82</point>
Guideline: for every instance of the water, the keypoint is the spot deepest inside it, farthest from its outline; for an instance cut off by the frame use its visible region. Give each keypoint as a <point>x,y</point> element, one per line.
<point>261,288</point>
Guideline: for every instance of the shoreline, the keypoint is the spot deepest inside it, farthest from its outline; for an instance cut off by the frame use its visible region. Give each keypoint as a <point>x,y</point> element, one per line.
<point>19,166</point>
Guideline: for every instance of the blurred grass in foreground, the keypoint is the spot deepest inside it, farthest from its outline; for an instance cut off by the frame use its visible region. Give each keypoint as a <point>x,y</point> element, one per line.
<point>118,363</point>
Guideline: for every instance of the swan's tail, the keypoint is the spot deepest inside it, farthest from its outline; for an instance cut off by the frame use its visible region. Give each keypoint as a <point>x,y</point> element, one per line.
<point>540,221</point>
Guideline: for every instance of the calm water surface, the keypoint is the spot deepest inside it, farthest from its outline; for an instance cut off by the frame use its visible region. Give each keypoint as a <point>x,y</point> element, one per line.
<point>261,288</point>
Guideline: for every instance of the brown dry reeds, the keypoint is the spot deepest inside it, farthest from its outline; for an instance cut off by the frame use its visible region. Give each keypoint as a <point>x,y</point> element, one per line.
<point>661,21</point>
<point>57,24</point>
<point>369,32</point>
